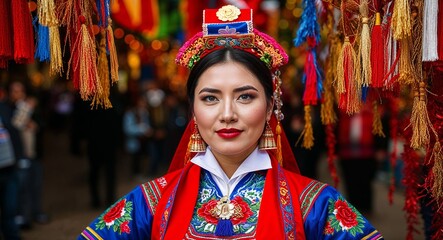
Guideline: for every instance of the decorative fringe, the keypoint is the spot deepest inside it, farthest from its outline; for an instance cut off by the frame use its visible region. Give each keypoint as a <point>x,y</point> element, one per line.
<point>419,119</point>
<point>42,47</point>
<point>279,146</point>
<point>437,173</point>
<point>365,46</point>
<point>101,97</point>
<point>347,79</point>
<point>440,37</point>
<point>312,79</point>
<point>330,144</point>
<point>85,61</point>
<point>309,27</point>
<point>6,46</point>
<point>401,19</point>
<point>112,52</point>
<point>56,64</point>
<point>23,33</point>
<point>407,74</point>
<point>377,53</point>
<point>430,20</point>
<point>377,127</point>
<point>224,228</point>
<point>308,133</point>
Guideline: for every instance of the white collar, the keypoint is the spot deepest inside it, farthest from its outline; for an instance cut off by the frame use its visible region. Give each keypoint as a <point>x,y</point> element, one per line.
<point>256,161</point>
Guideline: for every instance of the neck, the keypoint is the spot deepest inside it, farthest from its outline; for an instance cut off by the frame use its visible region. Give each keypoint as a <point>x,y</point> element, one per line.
<point>230,163</point>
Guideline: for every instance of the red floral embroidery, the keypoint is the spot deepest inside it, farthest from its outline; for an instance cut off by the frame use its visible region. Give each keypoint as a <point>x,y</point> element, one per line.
<point>242,211</point>
<point>328,229</point>
<point>345,215</point>
<point>124,227</point>
<point>115,212</point>
<point>207,211</point>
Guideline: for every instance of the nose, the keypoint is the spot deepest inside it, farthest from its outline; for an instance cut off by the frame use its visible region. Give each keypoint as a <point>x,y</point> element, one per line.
<point>228,113</point>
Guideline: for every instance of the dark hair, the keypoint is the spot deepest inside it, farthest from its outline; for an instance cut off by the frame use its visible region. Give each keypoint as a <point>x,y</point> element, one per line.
<point>251,62</point>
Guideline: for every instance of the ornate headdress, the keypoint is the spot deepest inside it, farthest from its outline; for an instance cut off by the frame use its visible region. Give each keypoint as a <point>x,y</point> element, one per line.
<point>229,26</point>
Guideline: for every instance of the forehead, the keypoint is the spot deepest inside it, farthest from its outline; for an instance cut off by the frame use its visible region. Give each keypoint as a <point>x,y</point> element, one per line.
<point>226,75</point>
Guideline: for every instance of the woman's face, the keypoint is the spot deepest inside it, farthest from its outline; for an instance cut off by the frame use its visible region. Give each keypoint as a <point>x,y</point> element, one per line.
<point>231,110</point>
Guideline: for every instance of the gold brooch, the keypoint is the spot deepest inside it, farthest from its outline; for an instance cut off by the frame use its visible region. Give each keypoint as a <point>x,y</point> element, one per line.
<point>228,13</point>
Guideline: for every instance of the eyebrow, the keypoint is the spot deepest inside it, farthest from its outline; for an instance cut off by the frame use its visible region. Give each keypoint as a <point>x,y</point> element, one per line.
<point>240,89</point>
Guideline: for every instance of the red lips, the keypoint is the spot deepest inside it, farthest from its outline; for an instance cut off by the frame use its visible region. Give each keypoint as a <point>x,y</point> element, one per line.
<point>228,132</point>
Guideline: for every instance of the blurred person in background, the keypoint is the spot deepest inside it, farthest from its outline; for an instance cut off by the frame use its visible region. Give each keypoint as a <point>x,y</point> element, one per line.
<point>137,130</point>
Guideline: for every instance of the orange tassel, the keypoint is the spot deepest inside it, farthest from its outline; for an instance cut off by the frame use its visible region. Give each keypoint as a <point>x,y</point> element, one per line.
<point>279,147</point>
<point>377,127</point>
<point>101,97</point>
<point>420,119</point>
<point>437,173</point>
<point>112,52</point>
<point>85,62</point>
<point>308,132</point>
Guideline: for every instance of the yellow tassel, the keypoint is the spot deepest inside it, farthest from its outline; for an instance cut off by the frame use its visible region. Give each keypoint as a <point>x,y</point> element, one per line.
<point>308,133</point>
<point>101,97</point>
<point>327,112</point>
<point>47,17</point>
<point>401,19</point>
<point>377,127</point>
<point>56,64</point>
<point>419,119</point>
<point>279,150</point>
<point>112,52</point>
<point>346,50</point>
<point>437,172</point>
<point>407,74</point>
<point>365,46</point>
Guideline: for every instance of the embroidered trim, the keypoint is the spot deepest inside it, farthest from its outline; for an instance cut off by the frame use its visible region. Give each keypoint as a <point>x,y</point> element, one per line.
<point>286,205</point>
<point>87,234</point>
<point>309,195</point>
<point>152,194</point>
<point>116,217</point>
<point>343,217</point>
<point>375,235</point>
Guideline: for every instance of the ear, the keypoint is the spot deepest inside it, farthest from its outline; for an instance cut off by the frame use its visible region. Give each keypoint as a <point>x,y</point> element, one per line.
<point>270,109</point>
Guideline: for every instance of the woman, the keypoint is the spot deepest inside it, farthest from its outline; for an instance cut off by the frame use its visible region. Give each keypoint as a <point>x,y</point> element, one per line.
<point>235,187</point>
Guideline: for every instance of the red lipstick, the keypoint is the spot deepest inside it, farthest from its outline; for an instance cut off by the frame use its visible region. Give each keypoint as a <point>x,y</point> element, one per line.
<point>228,132</point>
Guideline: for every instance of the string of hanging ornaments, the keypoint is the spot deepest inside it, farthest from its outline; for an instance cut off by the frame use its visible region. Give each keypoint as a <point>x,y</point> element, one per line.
<point>92,64</point>
<point>381,52</point>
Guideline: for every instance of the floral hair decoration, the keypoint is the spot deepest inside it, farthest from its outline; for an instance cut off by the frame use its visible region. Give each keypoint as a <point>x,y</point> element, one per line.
<point>229,26</point>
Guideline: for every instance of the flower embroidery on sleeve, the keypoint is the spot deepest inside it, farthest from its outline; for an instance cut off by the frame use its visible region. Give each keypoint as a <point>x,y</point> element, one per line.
<point>343,217</point>
<point>116,217</point>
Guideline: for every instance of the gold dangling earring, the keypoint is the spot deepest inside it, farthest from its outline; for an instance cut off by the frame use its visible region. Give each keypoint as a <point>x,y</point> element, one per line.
<point>267,140</point>
<point>196,143</point>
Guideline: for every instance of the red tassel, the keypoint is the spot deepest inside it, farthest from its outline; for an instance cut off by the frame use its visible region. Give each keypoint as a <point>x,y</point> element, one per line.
<point>83,61</point>
<point>310,95</point>
<point>6,49</point>
<point>23,32</point>
<point>377,54</point>
<point>440,31</point>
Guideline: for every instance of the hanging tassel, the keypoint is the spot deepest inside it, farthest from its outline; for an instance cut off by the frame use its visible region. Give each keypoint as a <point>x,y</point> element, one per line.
<point>224,228</point>
<point>101,97</point>
<point>377,127</point>
<point>419,116</point>
<point>437,173</point>
<point>308,132</point>
<point>407,74</point>
<point>347,79</point>
<point>42,47</point>
<point>6,46</point>
<point>85,61</point>
<point>365,46</point>
<point>112,52</point>
<point>430,20</point>
<point>377,53</point>
<point>312,79</point>
<point>47,17</point>
<point>401,19</point>
<point>440,31</point>
<point>279,146</point>
<point>23,34</point>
